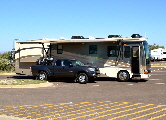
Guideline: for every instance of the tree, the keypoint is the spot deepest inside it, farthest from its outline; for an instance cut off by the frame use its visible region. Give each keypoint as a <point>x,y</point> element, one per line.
<point>5,55</point>
<point>154,46</point>
<point>5,62</point>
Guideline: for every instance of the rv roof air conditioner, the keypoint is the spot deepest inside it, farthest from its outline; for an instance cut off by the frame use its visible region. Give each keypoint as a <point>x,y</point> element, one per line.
<point>114,36</point>
<point>77,37</point>
<point>136,36</point>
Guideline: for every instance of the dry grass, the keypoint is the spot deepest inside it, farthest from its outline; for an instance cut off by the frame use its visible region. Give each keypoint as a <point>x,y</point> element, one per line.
<point>19,82</point>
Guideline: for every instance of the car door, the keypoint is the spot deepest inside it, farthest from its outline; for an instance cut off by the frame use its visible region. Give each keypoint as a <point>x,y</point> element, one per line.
<point>63,68</point>
<point>68,69</point>
<point>58,68</point>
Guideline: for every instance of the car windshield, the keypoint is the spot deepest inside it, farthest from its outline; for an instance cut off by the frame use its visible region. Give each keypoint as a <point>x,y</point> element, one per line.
<point>77,63</point>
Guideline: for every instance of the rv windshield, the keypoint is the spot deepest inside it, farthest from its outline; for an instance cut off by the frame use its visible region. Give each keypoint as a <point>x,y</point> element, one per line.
<point>77,63</point>
<point>146,48</point>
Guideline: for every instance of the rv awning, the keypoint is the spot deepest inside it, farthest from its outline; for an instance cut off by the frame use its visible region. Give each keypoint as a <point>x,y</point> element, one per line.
<point>78,40</point>
<point>64,41</point>
<point>82,41</point>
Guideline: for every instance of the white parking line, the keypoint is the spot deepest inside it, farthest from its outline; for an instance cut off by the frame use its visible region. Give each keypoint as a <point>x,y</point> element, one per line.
<point>157,74</point>
<point>157,70</point>
<point>154,79</point>
<point>160,71</point>
<point>129,84</point>
<point>159,83</point>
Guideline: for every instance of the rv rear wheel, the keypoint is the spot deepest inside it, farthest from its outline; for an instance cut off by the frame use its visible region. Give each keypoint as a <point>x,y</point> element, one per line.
<point>82,78</point>
<point>42,76</point>
<point>123,76</point>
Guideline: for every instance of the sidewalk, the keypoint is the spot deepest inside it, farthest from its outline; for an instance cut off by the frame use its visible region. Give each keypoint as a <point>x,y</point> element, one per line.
<point>4,117</point>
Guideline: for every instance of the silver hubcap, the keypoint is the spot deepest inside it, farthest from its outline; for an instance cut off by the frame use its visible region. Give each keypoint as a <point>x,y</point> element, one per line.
<point>82,78</point>
<point>123,75</point>
<point>42,76</point>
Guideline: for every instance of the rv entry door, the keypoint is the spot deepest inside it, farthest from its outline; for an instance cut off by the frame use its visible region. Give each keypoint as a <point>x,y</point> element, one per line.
<point>135,59</point>
<point>131,56</point>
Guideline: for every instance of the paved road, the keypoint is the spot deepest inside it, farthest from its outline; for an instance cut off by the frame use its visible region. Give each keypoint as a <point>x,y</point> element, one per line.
<point>105,99</point>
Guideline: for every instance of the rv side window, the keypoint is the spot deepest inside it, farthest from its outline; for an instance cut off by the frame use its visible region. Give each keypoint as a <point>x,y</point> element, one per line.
<point>127,51</point>
<point>92,49</point>
<point>112,51</point>
<point>164,52</point>
<point>59,49</point>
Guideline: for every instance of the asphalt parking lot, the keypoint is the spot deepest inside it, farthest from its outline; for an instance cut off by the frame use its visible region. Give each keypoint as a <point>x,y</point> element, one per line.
<point>104,99</point>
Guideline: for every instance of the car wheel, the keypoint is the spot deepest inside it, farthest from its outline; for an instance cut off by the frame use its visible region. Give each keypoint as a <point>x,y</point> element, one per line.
<point>82,78</point>
<point>123,76</point>
<point>42,76</point>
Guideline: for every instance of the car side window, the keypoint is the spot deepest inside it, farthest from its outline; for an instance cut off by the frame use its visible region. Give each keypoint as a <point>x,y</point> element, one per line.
<point>58,63</point>
<point>66,63</point>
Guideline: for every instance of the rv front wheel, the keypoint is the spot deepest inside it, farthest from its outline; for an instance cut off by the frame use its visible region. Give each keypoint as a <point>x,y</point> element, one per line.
<point>42,76</point>
<point>123,76</point>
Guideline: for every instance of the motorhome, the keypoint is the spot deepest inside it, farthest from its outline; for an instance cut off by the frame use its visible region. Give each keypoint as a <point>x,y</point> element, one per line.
<point>116,57</point>
<point>158,54</point>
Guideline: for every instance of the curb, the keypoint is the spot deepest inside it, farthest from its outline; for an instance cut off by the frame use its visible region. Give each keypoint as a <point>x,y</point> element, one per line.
<point>47,84</point>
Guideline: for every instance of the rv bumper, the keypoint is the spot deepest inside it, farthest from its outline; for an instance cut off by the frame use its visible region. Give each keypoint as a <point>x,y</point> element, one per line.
<point>141,76</point>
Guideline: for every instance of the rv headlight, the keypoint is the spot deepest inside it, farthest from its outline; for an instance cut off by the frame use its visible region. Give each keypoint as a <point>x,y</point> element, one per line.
<point>91,69</point>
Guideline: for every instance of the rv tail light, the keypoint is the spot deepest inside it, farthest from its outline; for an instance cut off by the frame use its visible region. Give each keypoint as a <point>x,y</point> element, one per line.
<point>146,72</point>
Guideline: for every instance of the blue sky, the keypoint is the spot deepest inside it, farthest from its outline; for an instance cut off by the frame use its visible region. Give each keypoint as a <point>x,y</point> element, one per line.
<point>36,19</point>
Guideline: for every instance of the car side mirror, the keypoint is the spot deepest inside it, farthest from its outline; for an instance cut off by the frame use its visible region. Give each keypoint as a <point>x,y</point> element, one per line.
<point>71,65</point>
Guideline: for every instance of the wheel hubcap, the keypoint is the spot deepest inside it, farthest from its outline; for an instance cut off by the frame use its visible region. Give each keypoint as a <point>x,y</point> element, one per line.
<point>123,75</point>
<point>42,76</point>
<point>82,78</point>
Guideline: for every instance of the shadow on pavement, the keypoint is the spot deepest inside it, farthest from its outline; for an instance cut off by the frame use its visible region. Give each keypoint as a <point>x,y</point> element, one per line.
<point>22,77</point>
<point>72,80</point>
<point>114,79</point>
